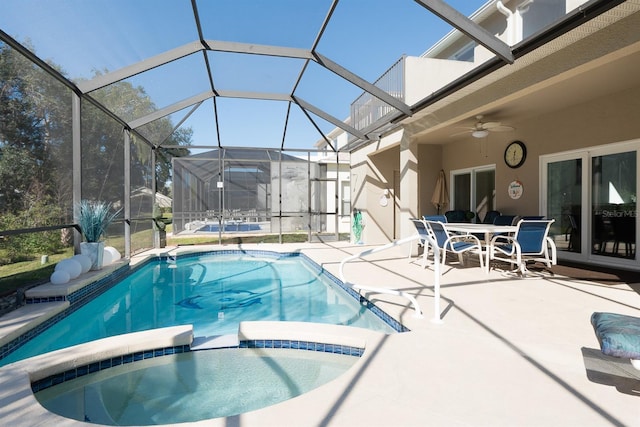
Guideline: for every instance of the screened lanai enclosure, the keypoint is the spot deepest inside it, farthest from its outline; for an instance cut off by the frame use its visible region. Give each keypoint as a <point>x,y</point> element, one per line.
<point>223,107</point>
<point>238,190</point>
<point>214,117</point>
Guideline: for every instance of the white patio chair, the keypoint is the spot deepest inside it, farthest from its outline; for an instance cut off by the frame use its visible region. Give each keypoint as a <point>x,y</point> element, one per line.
<point>530,242</point>
<point>456,243</point>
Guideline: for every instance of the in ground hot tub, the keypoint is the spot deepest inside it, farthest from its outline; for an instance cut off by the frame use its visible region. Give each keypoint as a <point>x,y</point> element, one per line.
<point>193,385</point>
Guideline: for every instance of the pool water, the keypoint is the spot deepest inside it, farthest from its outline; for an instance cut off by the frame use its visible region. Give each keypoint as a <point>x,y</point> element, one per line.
<point>212,292</point>
<point>229,228</point>
<point>193,386</point>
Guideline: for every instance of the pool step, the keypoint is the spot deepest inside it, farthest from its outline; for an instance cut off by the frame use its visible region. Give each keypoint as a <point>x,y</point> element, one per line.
<point>22,320</point>
<point>76,288</point>
<point>215,341</point>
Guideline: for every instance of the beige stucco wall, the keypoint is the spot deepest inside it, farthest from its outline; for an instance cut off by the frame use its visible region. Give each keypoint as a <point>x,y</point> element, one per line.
<point>372,172</point>
<point>440,72</point>
<point>569,123</point>
<point>430,163</point>
<point>606,120</point>
<point>375,168</point>
<point>472,152</point>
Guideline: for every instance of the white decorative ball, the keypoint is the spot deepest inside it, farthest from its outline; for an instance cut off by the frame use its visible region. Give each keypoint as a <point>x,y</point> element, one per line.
<point>71,266</point>
<point>106,257</point>
<point>115,254</point>
<point>59,277</point>
<point>84,261</point>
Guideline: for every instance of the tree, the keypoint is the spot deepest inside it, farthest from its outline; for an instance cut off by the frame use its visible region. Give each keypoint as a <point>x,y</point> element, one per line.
<point>132,102</point>
<point>164,169</point>
<point>36,150</point>
<point>21,156</point>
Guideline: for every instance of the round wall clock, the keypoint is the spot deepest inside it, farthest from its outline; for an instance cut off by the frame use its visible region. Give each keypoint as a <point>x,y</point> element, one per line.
<point>515,154</point>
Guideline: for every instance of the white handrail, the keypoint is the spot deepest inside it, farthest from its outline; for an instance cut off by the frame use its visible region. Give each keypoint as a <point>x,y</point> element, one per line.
<point>411,298</point>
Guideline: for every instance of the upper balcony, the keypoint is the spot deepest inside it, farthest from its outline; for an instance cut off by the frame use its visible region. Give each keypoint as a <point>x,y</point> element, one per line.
<point>409,79</point>
<point>412,79</point>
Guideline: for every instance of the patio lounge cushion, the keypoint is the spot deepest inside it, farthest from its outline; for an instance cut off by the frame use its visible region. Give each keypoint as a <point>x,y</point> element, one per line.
<point>618,334</point>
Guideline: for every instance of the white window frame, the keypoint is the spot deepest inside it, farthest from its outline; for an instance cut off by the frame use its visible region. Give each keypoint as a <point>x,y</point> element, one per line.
<point>587,154</point>
<point>472,171</point>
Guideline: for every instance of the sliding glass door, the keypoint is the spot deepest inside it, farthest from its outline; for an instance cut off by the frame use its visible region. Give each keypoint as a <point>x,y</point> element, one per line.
<point>592,195</point>
<point>565,202</point>
<point>613,205</point>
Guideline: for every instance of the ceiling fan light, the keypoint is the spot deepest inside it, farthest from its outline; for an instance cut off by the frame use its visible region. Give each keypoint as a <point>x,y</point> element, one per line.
<point>480,133</point>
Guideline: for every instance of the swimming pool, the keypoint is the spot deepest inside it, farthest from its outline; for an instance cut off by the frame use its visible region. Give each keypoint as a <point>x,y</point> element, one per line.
<point>193,386</point>
<point>230,227</point>
<point>213,292</point>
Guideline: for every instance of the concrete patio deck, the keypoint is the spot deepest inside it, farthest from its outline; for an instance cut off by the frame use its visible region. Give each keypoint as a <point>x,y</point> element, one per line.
<point>509,351</point>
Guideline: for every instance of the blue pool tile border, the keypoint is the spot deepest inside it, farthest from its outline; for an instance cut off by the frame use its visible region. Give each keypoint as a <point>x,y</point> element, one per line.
<point>76,300</point>
<point>86,292</point>
<point>138,356</point>
<point>80,297</point>
<point>101,365</point>
<point>304,345</point>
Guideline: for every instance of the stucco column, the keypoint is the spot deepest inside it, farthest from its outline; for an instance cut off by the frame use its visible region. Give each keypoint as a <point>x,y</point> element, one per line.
<point>408,186</point>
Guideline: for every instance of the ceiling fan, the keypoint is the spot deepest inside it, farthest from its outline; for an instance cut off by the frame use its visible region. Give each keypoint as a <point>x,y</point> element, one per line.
<point>481,129</point>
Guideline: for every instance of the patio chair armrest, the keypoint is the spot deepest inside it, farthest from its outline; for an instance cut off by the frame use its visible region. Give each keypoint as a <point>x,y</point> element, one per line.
<point>501,238</point>
<point>495,242</point>
<point>554,250</point>
<point>463,238</point>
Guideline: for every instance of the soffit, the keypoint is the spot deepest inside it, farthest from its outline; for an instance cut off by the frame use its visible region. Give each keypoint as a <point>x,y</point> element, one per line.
<point>595,59</point>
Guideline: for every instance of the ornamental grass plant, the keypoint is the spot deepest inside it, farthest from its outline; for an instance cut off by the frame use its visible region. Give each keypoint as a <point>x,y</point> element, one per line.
<point>94,218</point>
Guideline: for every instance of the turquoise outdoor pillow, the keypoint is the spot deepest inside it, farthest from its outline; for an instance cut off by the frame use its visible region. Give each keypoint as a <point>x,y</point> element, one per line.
<point>618,334</point>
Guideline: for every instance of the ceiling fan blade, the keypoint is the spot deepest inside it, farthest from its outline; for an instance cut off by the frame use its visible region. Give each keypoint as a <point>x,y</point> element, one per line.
<point>501,128</point>
<point>490,125</point>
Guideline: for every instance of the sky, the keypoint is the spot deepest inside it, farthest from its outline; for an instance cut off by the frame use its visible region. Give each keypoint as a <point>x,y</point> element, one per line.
<point>364,36</point>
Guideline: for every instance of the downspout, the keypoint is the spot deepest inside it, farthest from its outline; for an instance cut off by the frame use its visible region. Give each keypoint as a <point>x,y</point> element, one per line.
<point>582,14</point>
<point>511,27</point>
<point>514,20</point>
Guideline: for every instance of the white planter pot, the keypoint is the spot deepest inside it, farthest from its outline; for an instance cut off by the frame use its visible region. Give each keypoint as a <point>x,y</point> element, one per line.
<point>95,251</point>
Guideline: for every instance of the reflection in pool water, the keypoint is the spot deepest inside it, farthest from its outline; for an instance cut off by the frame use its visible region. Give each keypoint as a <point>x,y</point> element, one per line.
<point>193,386</point>
<point>213,292</point>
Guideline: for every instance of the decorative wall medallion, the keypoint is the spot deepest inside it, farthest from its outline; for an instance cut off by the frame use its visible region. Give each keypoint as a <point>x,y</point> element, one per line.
<point>515,189</point>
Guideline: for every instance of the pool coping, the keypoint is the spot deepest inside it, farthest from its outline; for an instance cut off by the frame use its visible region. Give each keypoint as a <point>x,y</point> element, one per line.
<point>49,291</point>
<point>19,406</point>
<point>20,325</point>
<point>26,318</point>
<point>45,301</point>
<point>494,360</point>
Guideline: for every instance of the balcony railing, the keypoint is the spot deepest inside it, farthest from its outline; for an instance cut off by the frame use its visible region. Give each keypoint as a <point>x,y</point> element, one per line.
<point>367,109</point>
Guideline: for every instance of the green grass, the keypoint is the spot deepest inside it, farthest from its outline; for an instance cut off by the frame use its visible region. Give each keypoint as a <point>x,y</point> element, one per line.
<point>213,240</point>
<point>25,273</point>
